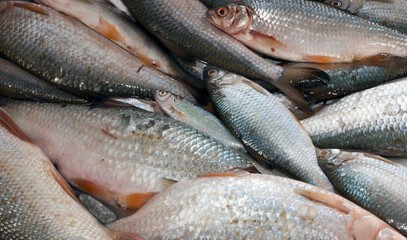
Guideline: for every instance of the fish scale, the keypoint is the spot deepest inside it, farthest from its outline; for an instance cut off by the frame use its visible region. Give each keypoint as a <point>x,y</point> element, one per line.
<point>65,52</point>
<point>124,150</point>
<point>375,184</point>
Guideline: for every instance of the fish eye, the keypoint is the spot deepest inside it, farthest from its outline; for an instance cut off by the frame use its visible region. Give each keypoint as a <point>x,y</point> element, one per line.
<point>212,73</point>
<point>222,12</point>
<point>162,93</point>
<point>336,4</point>
<point>324,153</point>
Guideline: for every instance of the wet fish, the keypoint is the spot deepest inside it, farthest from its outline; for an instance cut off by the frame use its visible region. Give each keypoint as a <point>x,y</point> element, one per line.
<point>374,183</point>
<point>119,5</point>
<point>374,120</point>
<point>17,83</point>
<point>252,206</point>
<point>346,78</point>
<point>121,155</point>
<point>266,127</point>
<point>111,23</point>
<point>146,105</point>
<point>182,27</point>
<point>306,31</point>
<point>36,203</point>
<point>65,52</point>
<point>389,13</point>
<point>182,110</point>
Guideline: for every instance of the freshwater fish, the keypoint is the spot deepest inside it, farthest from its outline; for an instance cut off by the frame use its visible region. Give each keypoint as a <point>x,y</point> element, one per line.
<point>183,28</point>
<point>373,120</point>
<point>269,131</point>
<point>252,206</point>
<point>373,182</point>
<point>180,109</point>
<point>121,156</point>
<point>36,202</point>
<point>306,31</point>
<point>16,82</point>
<point>67,53</point>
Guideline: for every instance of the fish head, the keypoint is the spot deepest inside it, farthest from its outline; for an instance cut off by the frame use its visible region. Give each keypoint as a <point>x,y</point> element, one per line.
<point>232,18</point>
<point>215,78</point>
<point>330,158</point>
<point>166,97</point>
<point>351,6</point>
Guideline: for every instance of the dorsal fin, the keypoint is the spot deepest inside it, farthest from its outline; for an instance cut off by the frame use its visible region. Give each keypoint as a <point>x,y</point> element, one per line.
<point>33,7</point>
<point>8,123</point>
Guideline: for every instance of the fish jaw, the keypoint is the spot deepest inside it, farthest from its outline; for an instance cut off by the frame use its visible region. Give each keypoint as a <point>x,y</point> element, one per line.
<point>232,18</point>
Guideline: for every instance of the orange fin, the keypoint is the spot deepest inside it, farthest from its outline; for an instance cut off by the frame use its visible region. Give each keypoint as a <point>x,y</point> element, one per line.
<point>323,198</point>
<point>147,61</point>
<point>379,158</point>
<point>33,7</point>
<point>123,236</point>
<point>256,87</point>
<point>61,181</point>
<point>8,123</point>
<point>321,59</point>
<point>376,58</point>
<point>92,189</point>
<point>108,30</point>
<point>268,40</point>
<point>135,201</point>
<point>210,175</point>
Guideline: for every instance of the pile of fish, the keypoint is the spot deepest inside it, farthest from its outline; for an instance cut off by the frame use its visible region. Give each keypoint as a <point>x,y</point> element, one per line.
<point>203,119</point>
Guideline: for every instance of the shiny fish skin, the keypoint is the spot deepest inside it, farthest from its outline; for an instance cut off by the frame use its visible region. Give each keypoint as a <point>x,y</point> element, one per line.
<point>350,6</point>
<point>123,151</point>
<point>252,206</point>
<point>69,54</point>
<point>373,120</point>
<point>376,184</point>
<point>119,5</point>
<point>33,204</point>
<point>182,110</point>
<point>265,126</point>
<point>110,22</point>
<point>306,31</point>
<point>18,83</point>
<point>352,77</point>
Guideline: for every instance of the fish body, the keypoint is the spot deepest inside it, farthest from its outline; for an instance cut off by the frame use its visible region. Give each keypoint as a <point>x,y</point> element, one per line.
<point>36,203</point>
<point>120,154</point>
<point>67,53</point>
<point>269,131</point>
<point>350,6</point>
<point>119,5</point>
<point>182,110</point>
<point>16,82</point>
<point>351,77</point>
<point>373,120</point>
<point>113,24</point>
<point>252,206</point>
<point>374,183</point>
<point>306,31</point>
<point>182,27</point>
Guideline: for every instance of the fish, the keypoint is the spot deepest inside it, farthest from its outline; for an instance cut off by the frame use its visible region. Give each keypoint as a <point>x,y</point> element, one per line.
<point>306,31</point>
<point>183,28</point>
<point>68,54</point>
<point>113,24</point>
<point>16,82</point>
<point>150,106</point>
<point>269,131</point>
<point>373,120</point>
<point>119,5</point>
<point>252,206</point>
<point>346,78</point>
<point>36,202</point>
<point>122,156</point>
<point>373,182</point>
<point>181,110</point>
<point>389,13</point>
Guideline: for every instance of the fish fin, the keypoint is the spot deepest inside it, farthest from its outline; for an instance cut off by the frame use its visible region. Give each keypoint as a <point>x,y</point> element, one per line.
<point>123,236</point>
<point>108,30</point>
<point>376,58</point>
<point>165,183</point>
<point>379,158</point>
<point>251,169</point>
<point>134,201</point>
<point>61,181</point>
<point>33,7</point>
<point>321,59</point>
<point>110,102</point>
<point>291,76</point>
<point>178,113</point>
<point>265,39</point>
<point>326,199</point>
<point>232,174</point>
<point>8,123</point>
<point>256,87</point>
<point>92,189</point>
